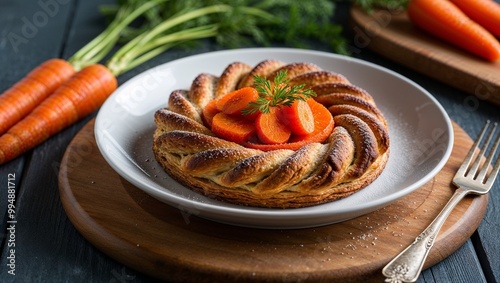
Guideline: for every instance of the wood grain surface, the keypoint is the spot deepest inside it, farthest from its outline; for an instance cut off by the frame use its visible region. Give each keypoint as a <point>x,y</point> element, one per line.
<point>154,238</point>
<point>391,34</point>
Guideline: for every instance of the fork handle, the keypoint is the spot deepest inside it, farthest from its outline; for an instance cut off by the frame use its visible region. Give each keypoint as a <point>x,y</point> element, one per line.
<point>406,267</point>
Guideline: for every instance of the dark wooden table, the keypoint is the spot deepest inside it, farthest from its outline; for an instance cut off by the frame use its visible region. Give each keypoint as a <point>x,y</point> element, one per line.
<point>47,246</point>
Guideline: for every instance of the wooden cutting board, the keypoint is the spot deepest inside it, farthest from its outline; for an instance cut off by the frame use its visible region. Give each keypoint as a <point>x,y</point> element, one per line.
<point>391,34</point>
<point>154,238</point>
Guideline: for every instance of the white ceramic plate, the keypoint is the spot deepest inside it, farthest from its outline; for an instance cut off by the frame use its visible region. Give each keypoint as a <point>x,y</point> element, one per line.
<point>420,131</point>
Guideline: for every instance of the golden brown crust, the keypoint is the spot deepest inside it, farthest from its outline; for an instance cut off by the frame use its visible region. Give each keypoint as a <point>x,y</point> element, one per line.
<point>178,103</point>
<point>294,69</point>
<point>262,69</point>
<point>324,89</point>
<point>202,90</point>
<point>168,121</point>
<point>230,78</point>
<point>354,155</point>
<point>311,79</point>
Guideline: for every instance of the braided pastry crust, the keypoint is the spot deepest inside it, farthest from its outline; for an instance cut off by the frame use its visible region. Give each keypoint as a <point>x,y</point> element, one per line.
<point>351,158</point>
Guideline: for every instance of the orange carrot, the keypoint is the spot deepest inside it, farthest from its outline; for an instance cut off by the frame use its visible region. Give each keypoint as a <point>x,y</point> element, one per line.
<point>222,100</point>
<point>270,130</point>
<point>82,94</point>
<point>233,128</point>
<point>231,103</point>
<point>208,112</point>
<point>239,100</point>
<point>251,117</point>
<point>446,21</point>
<point>323,119</point>
<point>323,128</point>
<point>484,12</point>
<point>298,117</point>
<point>293,143</point>
<point>19,100</point>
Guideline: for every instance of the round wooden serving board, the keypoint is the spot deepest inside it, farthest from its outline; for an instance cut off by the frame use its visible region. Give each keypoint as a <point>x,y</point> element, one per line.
<point>162,241</point>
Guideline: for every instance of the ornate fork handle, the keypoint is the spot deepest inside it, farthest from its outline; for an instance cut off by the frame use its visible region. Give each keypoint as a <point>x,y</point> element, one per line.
<point>407,265</point>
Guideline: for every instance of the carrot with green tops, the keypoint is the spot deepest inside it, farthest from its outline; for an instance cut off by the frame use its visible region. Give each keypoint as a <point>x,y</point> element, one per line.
<point>484,12</point>
<point>17,101</point>
<point>79,96</point>
<point>446,21</point>
<point>82,94</point>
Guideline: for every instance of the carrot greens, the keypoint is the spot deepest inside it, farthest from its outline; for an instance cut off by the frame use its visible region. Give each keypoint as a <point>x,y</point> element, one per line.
<point>167,34</point>
<point>231,23</point>
<point>370,4</point>
<point>61,92</point>
<point>97,49</point>
<point>22,98</point>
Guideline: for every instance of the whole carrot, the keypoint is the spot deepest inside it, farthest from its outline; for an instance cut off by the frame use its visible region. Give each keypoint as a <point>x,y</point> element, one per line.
<point>24,96</point>
<point>446,21</point>
<point>484,12</point>
<point>82,94</point>
<point>19,100</point>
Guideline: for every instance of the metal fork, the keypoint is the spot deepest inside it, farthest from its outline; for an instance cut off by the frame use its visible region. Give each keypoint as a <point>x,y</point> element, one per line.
<point>406,267</point>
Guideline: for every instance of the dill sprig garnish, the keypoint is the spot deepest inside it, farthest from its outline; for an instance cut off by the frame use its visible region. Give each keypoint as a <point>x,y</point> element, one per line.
<point>276,93</point>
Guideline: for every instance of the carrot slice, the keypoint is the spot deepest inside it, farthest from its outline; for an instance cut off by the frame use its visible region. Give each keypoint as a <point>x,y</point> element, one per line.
<point>239,100</point>
<point>446,21</point>
<point>270,129</point>
<point>208,113</point>
<point>221,101</point>
<point>298,117</point>
<point>82,94</point>
<point>251,117</point>
<point>484,12</point>
<point>19,100</point>
<point>323,119</point>
<point>232,128</point>
<point>323,128</point>
<point>231,103</point>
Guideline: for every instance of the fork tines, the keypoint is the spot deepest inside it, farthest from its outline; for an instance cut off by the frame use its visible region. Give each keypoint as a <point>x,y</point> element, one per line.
<point>477,161</point>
